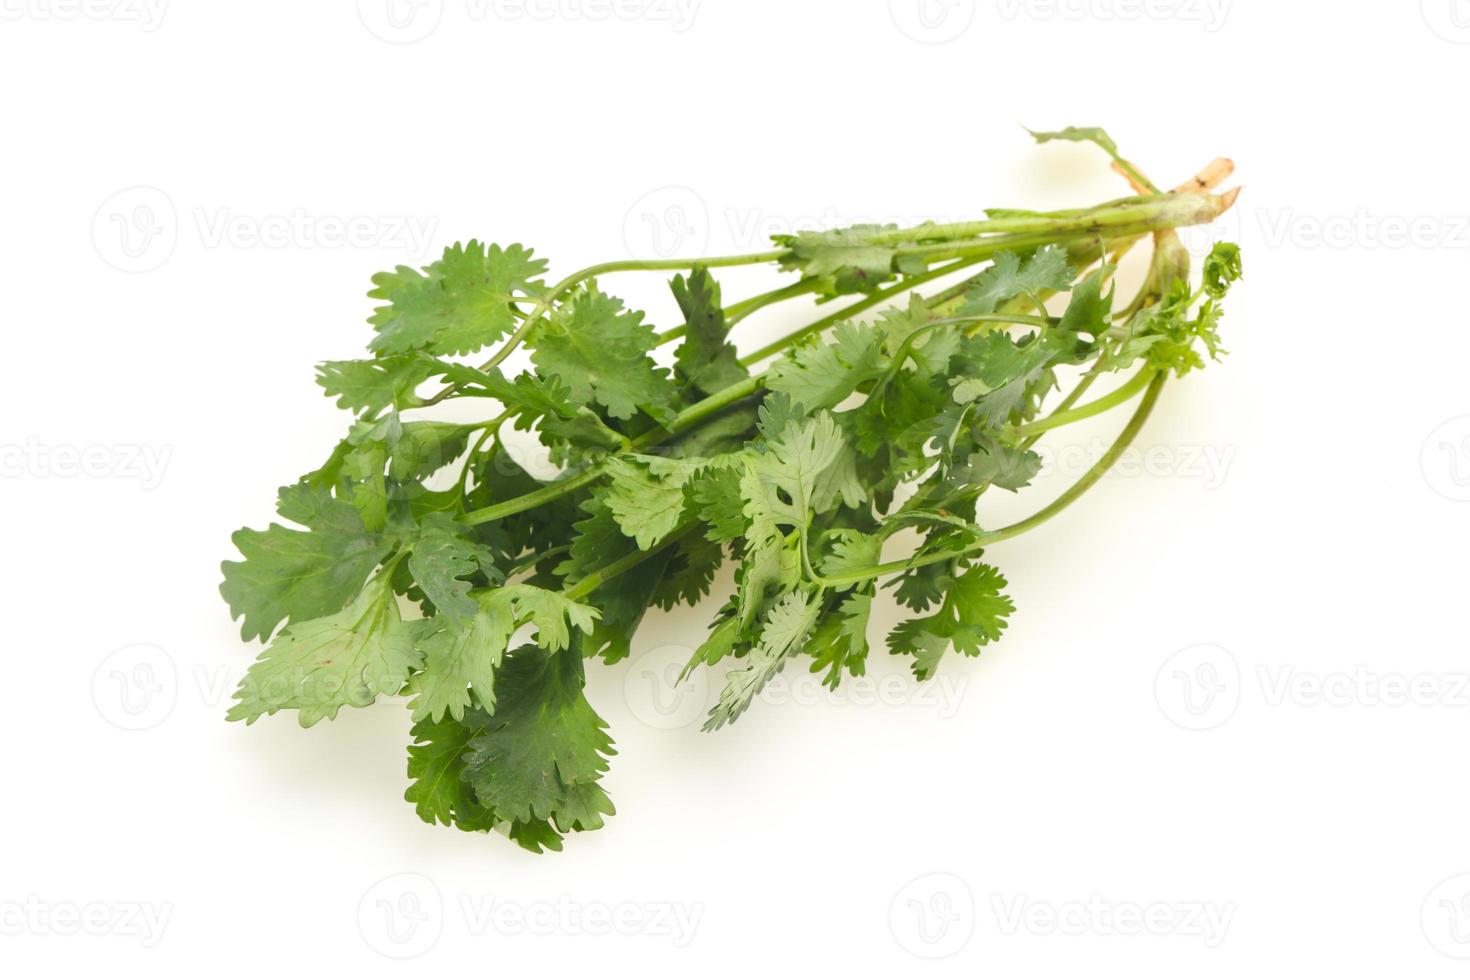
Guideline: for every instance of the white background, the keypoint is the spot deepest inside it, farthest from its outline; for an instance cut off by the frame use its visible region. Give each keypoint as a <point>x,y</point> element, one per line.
<point>1197,718</point>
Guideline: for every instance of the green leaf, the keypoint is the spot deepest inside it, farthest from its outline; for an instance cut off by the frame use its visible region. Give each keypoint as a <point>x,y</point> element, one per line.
<point>542,752</point>
<point>646,495</point>
<point>292,575</point>
<point>689,573</point>
<point>716,497</point>
<point>705,360</point>
<point>529,397</point>
<point>424,448</point>
<point>787,626</point>
<point>443,557</point>
<point>820,375</point>
<point>995,464</point>
<point>369,386</point>
<point>1222,268</point>
<point>804,469</point>
<point>437,787</point>
<point>1045,270</point>
<point>456,305</point>
<point>850,551</point>
<point>973,614</point>
<point>461,656</point>
<point>321,665</point>
<point>840,642</point>
<point>1080,134</point>
<point>600,352</point>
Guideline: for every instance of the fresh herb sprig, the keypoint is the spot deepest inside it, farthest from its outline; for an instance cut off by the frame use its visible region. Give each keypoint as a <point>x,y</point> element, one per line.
<point>802,462</point>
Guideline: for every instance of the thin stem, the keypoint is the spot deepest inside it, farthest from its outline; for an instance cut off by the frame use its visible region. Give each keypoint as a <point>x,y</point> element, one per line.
<point>988,538</point>
<point>593,581</point>
<point>872,300</point>
<point>1096,407</point>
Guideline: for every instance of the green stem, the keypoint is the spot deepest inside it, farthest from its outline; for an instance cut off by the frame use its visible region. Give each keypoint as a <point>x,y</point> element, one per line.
<point>872,300</point>
<point>987,538</point>
<point>1066,416</point>
<point>593,581</point>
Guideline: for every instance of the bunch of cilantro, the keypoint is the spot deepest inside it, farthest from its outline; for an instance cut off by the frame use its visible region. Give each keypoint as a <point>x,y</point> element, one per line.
<point>806,463</point>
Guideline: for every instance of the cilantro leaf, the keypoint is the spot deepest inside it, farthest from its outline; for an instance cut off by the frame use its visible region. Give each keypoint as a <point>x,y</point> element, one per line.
<point>321,665</point>
<point>442,559</point>
<point>787,626</point>
<point>291,575</point>
<point>973,614</point>
<point>1045,270</point>
<point>646,495</point>
<point>369,386</point>
<point>458,304</point>
<point>819,375</point>
<point>437,787</point>
<point>599,351</point>
<point>541,754</point>
<point>705,360</point>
